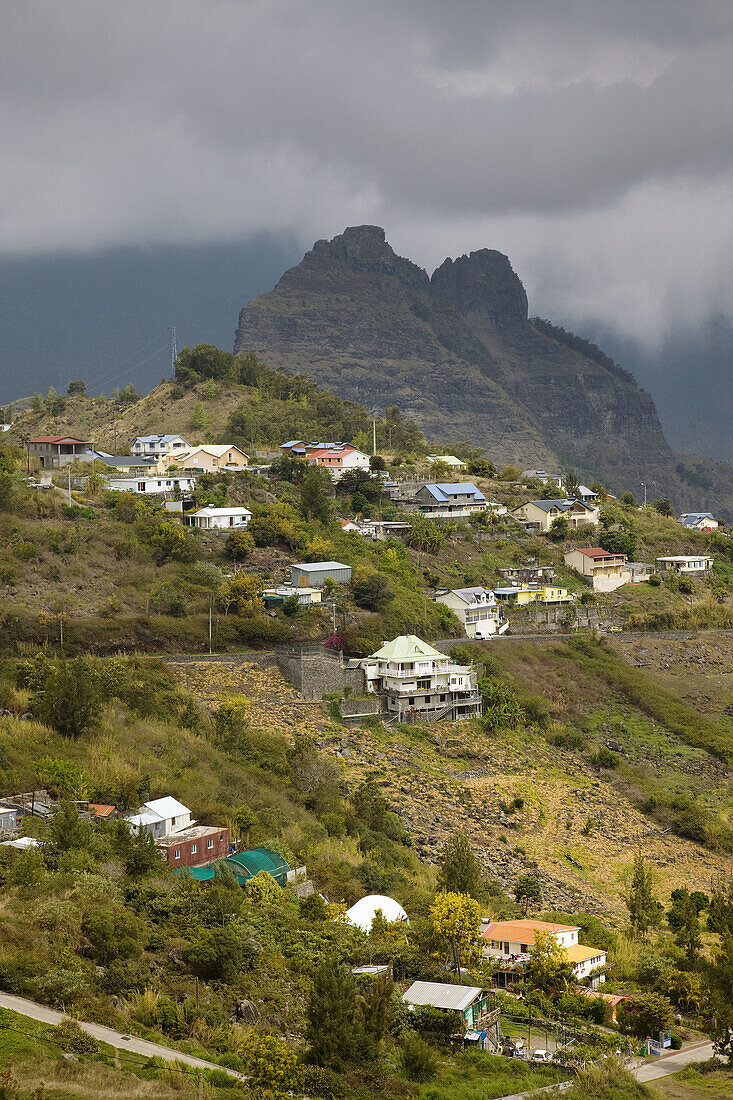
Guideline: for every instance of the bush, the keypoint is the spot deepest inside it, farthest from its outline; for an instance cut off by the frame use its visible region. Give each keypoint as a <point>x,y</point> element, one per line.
<point>605,758</point>
<point>323,1083</point>
<point>418,1060</point>
<point>70,1037</point>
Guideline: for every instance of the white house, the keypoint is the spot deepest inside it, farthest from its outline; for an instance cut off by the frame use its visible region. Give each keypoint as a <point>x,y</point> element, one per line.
<point>540,514</point>
<point>419,682</point>
<point>448,460</point>
<point>606,571</point>
<point>450,501</point>
<point>155,446</point>
<point>508,939</point>
<point>276,597</point>
<point>153,486</point>
<point>699,521</point>
<point>221,519</point>
<point>586,495</point>
<point>161,817</point>
<point>476,608</point>
<point>686,564</point>
<point>338,460</point>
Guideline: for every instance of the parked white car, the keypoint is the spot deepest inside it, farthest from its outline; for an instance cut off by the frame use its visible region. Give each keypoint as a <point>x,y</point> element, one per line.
<point>542,1056</point>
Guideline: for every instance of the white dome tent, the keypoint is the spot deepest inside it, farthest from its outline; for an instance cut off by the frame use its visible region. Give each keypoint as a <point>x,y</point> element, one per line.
<point>363,912</point>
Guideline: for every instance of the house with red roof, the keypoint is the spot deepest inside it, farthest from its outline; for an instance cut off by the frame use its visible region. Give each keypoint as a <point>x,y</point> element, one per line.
<point>55,451</point>
<point>606,571</point>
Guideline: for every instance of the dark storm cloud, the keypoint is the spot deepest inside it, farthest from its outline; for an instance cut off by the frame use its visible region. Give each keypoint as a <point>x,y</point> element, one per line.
<point>592,141</point>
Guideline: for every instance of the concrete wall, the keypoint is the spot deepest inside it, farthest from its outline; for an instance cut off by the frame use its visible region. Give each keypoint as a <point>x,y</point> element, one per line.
<point>319,673</point>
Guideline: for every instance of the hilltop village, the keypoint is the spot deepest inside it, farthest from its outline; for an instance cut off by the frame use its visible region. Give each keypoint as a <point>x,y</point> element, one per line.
<point>344,762</point>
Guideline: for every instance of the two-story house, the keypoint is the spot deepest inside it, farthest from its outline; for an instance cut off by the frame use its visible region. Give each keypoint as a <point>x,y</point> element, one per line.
<point>450,501</point>
<point>157,446</point>
<point>605,570</point>
<point>476,608</point>
<point>338,459</point>
<point>510,939</point>
<point>211,458</point>
<point>420,683</point>
<point>56,451</point>
<point>538,515</point>
<point>181,841</point>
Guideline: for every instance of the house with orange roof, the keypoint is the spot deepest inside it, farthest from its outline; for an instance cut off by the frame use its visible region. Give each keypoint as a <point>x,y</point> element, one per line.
<point>511,939</point>
<point>606,571</point>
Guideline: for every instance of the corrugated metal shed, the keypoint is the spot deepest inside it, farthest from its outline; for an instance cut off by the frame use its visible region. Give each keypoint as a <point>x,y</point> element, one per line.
<point>314,573</point>
<point>440,995</point>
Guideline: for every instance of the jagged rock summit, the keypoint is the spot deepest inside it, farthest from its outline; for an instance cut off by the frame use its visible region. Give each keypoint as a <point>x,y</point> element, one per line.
<point>458,353</point>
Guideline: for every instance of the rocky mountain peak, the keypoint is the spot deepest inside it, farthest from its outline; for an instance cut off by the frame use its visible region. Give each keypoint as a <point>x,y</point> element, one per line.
<point>482,286</point>
<point>362,248</point>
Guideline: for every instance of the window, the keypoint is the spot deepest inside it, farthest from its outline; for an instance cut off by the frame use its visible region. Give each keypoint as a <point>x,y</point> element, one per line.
<point>523,948</point>
<point>194,849</point>
<point>177,853</point>
<point>210,842</point>
<point>411,701</point>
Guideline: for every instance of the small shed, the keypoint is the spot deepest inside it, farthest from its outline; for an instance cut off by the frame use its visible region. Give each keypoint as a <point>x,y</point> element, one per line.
<point>245,865</point>
<point>470,1003</point>
<point>314,573</point>
<point>9,818</point>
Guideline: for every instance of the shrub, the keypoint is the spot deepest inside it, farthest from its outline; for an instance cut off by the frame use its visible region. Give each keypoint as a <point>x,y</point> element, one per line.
<point>70,1037</point>
<point>418,1060</point>
<point>605,758</point>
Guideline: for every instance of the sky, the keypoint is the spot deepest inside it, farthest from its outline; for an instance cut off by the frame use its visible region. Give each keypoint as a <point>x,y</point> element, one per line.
<point>591,141</point>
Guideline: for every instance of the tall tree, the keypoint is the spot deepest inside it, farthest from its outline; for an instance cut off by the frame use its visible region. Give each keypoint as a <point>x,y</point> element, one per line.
<point>333,1031</point>
<point>315,494</point>
<point>459,869</point>
<point>644,909</point>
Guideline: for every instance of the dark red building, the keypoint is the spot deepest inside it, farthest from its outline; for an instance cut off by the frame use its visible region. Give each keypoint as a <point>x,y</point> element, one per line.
<point>195,846</point>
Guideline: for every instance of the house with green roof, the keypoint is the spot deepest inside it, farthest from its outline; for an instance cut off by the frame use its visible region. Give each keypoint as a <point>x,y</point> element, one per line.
<point>419,683</point>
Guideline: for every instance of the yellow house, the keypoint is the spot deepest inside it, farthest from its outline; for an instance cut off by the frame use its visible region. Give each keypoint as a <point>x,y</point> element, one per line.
<point>212,458</point>
<point>523,594</point>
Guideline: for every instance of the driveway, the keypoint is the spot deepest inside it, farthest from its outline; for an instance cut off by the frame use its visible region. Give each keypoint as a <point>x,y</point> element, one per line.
<point>671,1063</point>
<point>107,1035</point>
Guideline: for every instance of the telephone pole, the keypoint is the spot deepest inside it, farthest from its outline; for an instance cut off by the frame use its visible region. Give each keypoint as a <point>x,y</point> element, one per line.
<point>174,351</point>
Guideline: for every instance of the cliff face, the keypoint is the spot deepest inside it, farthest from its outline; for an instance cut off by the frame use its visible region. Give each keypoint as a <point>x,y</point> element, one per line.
<point>457,352</point>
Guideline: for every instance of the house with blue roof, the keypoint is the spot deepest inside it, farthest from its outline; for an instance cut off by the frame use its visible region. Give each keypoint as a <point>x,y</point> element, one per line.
<point>458,500</point>
<point>699,521</point>
<point>156,446</point>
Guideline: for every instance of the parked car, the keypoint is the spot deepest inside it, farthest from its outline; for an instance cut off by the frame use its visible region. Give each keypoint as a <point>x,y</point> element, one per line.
<point>542,1056</point>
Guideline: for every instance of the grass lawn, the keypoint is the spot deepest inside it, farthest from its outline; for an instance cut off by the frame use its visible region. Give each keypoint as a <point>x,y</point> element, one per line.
<point>475,1075</point>
<point>691,1084</point>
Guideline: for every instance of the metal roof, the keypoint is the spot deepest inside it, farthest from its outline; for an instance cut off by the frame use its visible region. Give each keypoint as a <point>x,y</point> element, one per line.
<point>443,491</point>
<point>209,511</point>
<point>311,565</point>
<point>439,995</point>
<point>563,505</point>
<point>166,807</point>
<point>403,647</point>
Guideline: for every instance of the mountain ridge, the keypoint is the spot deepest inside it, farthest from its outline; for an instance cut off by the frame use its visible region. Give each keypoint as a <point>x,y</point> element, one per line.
<point>459,354</point>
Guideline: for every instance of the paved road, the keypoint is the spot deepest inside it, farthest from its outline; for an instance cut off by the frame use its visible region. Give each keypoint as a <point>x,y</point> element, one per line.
<point>108,1035</point>
<point>671,1063</point>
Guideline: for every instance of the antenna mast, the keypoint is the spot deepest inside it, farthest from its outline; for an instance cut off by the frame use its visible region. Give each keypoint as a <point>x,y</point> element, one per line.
<point>174,351</point>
